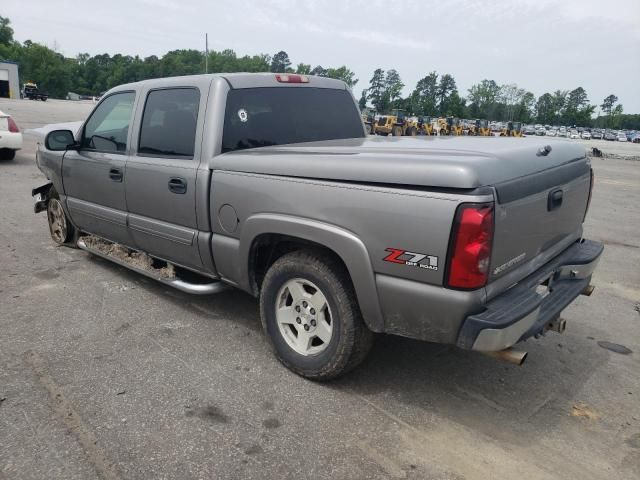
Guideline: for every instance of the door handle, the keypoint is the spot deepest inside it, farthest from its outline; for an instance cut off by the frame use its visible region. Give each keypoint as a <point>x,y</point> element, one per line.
<point>555,199</point>
<point>115,174</point>
<point>177,185</point>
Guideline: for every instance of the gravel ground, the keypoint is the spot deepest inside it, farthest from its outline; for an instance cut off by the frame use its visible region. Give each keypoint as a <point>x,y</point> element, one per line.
<point>105,374</point>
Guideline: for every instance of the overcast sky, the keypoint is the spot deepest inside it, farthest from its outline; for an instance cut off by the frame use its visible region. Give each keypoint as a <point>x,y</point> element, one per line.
<point>542,45</point>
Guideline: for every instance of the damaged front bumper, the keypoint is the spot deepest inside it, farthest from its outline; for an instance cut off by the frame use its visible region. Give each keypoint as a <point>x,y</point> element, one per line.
<point>41,195</point>
<point>535,303</point>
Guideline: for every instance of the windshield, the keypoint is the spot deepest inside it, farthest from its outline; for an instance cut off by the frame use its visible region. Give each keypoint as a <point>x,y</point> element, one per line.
<point>259,117</point>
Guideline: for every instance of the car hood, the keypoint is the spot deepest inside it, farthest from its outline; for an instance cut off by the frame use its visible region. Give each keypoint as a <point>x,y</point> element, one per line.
<point>446,162</point>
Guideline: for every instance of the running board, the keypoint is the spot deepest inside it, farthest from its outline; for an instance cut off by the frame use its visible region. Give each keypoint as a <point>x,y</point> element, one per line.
<point>215,286</point>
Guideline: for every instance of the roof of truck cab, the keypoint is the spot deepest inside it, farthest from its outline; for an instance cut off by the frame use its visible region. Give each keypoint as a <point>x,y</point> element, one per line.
<point>236,81</point>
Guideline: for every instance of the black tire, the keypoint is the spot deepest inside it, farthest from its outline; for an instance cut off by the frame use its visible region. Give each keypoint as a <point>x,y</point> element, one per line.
<point>396,131</point>
<point>7,154</point>
<point>351,340</point>
<point>67,236</point>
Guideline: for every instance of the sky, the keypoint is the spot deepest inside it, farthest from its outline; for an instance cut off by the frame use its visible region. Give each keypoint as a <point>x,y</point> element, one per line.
<point>541,45</point>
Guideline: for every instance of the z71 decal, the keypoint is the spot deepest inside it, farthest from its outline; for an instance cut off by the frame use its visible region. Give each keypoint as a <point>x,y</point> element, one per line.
<point>411,259</point>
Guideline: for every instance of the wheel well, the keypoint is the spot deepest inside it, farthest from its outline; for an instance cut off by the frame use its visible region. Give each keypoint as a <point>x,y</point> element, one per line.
<point>269,247</point>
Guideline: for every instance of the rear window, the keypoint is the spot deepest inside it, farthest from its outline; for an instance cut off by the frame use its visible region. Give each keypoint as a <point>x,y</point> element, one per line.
<point>260,117</point>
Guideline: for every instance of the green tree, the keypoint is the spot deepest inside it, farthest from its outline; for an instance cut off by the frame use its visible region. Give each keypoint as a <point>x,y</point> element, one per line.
<point>303,69</point>
<point>608,103</point>
<point>545,108</point>
<point>319,71</point>
<point>616,116</point>
<point>280,62</point>
<point>393,87</point>
<point>362,103</point>
<point>6,32</point>
<point>377,90</point>
<point>424,98</point>
<point>559,101</point>
<point>446,87</point>
<point>577,110</point>
<point>344,74</point>
<point>482,98</point>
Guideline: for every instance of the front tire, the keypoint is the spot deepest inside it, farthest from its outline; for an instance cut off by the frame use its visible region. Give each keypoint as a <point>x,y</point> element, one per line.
<point>60,227</point>
<point>310,313</point>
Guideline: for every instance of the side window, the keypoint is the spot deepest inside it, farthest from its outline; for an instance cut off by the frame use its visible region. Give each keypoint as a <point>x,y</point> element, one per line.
<point>108,127</point>
<point>169,123</point>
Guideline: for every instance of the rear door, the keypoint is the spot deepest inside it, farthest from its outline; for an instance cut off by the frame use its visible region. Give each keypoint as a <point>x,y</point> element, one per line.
<point>93,176</point>
<point>161,174</point>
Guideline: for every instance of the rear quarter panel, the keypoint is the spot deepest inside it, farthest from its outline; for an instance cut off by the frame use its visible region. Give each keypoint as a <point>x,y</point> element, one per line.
<point>382,218</point>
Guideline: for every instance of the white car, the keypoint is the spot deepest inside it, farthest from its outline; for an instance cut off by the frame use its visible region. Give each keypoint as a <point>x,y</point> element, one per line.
<point>622,137</point>
<point>586,135</point>
<point>10,137</point>
<point>574,134</point>
<point>552,133</point>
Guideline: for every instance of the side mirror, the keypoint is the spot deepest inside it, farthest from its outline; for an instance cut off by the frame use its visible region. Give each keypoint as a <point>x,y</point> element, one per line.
<point>60,140</point>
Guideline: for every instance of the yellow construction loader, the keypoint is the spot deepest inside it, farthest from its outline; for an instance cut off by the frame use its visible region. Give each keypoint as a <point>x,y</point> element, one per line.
<point>369,119</point>
<point>396,124</point>
<point>482,128</point>
<point>425,126</point>
<point>512,129</point>
<point>444,126</point>
<point>455,127</point>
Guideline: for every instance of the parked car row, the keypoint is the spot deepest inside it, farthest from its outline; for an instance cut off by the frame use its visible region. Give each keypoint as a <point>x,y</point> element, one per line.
<point>582,133</point>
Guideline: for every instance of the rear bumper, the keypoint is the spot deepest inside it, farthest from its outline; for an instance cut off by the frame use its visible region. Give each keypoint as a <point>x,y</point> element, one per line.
<point>527,308</point>
<point>11,140</point>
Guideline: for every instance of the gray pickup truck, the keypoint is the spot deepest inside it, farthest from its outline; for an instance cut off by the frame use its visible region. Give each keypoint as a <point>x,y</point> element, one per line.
<point>268,183</point>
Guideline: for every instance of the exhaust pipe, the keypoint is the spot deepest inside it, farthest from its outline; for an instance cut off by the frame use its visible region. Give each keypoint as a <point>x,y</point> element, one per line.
<point>558,325</point>
<point>517,357</point>
<point>588,290</point>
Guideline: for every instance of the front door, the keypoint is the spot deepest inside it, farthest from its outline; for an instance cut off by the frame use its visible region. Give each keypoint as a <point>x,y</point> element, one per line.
<point>161,176</point>
<point>93,176</point>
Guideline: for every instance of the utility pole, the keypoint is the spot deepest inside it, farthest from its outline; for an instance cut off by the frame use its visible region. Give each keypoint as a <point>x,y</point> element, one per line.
<point>206,53</point>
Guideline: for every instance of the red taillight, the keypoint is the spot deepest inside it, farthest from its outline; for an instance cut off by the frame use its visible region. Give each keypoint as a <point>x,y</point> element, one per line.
<point>470,250</point>
<point>591,180</point>
<point>292,78</point>
<point>12,125</point>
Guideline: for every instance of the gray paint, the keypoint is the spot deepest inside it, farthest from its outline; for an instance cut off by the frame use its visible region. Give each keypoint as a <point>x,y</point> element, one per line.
<point>357,197</point>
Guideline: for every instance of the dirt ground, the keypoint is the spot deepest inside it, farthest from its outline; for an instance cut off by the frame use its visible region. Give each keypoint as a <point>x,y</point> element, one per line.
<point>107,374</point>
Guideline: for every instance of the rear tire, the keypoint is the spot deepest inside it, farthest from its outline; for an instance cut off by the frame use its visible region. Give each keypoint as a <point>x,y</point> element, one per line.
<point>312,289</point>
<point>396,131</point>
<point>7,154</point>
<point>60,227</point>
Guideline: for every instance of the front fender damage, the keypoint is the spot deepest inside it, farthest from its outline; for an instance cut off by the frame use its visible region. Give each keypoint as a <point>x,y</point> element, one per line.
<point>41,195</point>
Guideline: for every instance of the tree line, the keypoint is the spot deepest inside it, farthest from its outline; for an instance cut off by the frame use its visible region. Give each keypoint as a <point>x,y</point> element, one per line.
<point>434,95</point>
<point>438,95</point>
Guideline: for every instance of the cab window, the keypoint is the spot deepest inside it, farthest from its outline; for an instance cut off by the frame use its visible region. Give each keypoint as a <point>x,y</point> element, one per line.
<point>108,127</point>
<point>169,120</point>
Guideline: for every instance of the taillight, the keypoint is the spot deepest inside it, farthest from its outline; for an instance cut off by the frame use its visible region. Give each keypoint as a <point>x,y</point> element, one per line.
<point>591,180</point>
<point>470,248</point>
<point>12,125</point>
<point>292,78</point>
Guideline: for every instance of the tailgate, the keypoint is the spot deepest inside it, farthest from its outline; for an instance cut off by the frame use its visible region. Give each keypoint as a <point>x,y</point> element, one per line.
<point>538,211</point>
